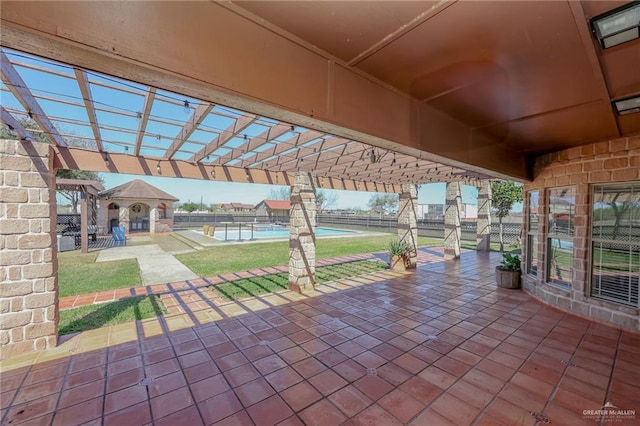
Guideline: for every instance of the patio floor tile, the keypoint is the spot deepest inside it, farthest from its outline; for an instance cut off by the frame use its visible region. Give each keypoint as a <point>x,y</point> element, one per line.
<point>438,346</point>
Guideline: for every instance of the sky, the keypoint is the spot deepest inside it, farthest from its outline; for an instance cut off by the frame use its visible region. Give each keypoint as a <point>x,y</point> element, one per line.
<point>225,192</point>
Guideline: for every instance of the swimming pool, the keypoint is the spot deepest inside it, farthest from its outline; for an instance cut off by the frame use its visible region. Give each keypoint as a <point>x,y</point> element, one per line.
<point>233,233</point>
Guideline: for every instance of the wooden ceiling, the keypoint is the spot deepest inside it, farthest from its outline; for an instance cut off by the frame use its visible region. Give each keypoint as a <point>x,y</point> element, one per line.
<point>436,90</point>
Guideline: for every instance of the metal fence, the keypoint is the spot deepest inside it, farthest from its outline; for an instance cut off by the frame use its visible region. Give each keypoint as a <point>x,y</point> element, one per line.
<point>426,228</point>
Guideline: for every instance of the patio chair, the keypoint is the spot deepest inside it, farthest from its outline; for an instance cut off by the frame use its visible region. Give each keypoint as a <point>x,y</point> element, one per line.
<point>119,236</point>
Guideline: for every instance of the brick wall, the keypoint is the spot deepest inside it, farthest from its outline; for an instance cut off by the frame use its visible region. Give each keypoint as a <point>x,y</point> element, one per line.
<point>603,162</point>
<point>407,221</point>
<point>302,238</point>
<point>28,266</point>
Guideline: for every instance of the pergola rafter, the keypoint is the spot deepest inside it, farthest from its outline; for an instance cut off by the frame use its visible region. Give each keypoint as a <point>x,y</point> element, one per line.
<point>295,141</point>
<point>17,86</point>
<point>146,110</point>
<point>81,78</point>
<point>201,112</point>
<point>227,134</point>
<point>255,142</point>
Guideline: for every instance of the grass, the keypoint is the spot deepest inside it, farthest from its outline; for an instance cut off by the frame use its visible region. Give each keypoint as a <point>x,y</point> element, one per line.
<point>240,257</point>
<point>79,274</point>
<point>96,316</point>
<point>255,286</point>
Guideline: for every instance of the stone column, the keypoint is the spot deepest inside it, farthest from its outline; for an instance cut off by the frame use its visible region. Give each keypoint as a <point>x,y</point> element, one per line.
<point>153,217</point>
<point>452,232</point>
<point>407,220</point>
<point>302,237</point>
<point>483,230</point>
<point>28,263</point>
<point>123,216</point>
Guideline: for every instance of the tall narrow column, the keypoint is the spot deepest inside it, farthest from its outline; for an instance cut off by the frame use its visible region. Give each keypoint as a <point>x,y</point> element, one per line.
<point>84,222</point>
<point>452,232</point>
<point>302,236</point>
<point>407,220</point>
<point>483,230</point>
<point>28,265</point>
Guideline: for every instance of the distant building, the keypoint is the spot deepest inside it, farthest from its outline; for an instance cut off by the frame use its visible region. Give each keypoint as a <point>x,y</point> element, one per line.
<point>237,207</point>
<point>137,206</point>
<point>273,210</point>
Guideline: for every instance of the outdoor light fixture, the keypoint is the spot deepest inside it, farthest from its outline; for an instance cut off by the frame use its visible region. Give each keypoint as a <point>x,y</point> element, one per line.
<point>158,169</point>
<point>372,156</point>
<point>213,172</point>
<point>158,138</point>
<point>394,159</point>
<point>186,108</point>
<point>246,173</point>
<point>617,26</point>
<point>106,160</point>
<point>627,106</point>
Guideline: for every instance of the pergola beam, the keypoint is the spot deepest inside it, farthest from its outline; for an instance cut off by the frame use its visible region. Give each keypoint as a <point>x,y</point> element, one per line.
<point>81,78</point>
<point>14,124</point>
<point>227,134</point>
<point>18,87</point>
<point>190,126</point>
<point>281,147</point>
<point>255,142</point>
<point>146,110</point>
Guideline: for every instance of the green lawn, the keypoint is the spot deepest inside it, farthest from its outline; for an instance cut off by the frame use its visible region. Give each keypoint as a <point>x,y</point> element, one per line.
<point>267,284</point>
<point>96,316</point>
<point>79,273</point>
<point>240,257</point>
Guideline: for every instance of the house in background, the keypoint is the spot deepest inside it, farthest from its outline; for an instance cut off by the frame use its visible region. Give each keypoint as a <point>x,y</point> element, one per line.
<point>237,207</point>
<point>273,210</point>
<point>137,206</point>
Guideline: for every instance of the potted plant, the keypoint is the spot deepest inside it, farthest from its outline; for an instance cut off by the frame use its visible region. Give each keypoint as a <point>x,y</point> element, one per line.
<point>508,272</point>
<point>399,255</point>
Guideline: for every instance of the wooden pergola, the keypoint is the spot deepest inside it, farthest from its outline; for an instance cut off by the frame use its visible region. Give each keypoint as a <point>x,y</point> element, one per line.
<point>88,190</point>
<point>121,126</point>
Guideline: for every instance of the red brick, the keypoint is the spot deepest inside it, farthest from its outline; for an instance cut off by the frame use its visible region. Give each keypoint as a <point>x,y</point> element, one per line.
<point>616,163</point>
<point>624,174</point>
<point>603,176</point>
<point>589,166</point>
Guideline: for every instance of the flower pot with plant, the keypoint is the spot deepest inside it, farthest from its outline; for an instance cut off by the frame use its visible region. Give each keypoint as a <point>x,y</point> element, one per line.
<point>508,272</point>
<point>399,255</point>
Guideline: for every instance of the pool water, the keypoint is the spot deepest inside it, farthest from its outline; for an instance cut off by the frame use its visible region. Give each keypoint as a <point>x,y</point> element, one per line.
<point>263,233</point>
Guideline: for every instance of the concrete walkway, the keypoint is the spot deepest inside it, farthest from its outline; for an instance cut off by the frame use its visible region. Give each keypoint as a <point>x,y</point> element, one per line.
<point>156,265</point>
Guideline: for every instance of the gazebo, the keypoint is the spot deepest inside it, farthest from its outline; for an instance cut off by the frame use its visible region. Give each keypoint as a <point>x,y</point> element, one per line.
<point>138,207</point>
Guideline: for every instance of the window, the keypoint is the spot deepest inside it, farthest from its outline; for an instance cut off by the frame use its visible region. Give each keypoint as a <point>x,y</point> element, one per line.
<point>615,237</point>
<point>532,233</point>
<point>562,203</point>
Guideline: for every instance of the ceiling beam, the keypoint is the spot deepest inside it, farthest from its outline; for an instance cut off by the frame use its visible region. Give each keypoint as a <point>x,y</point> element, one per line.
<point>81,78</point>
<point>201,112</point>
<point>227,134</point>
<point>142,125</point>
<point>255,142</point>
<point>17,86</point>
<point>14,124</point>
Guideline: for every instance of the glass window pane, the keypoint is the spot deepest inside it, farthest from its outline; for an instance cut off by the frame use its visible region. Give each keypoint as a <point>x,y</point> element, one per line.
<point>560,262</point>
<point>562,207</point>
<point>532,254</point>
<point>533,210</point>
<point>615,272</point>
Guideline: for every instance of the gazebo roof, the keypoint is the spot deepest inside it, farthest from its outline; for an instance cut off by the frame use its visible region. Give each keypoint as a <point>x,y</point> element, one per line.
<point>137,189</point>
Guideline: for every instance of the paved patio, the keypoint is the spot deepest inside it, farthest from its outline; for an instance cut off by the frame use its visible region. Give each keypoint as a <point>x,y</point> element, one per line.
<point>439,346</point>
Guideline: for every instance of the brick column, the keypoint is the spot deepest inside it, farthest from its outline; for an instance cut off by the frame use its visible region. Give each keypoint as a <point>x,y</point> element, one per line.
<point>153,217</point>
<point>123,217</point>
<point>483,227</point>
<point>407,220</point>
<point>452,232</point>
<point>302,237</point>
<point>28,265</point>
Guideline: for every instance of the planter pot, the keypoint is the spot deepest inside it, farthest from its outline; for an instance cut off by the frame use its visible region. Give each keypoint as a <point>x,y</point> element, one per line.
<point>508,279</point>
<point>397,263</point>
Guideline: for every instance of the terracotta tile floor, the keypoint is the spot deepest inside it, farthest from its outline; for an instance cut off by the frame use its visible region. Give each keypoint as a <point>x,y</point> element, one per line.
<point>439,346</point>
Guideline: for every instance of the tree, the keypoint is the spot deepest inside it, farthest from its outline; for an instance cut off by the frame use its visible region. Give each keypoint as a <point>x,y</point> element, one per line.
<point>504,195</point>
<point>383,203</point>
<point>190,207</point>
<point>283,193</point>
<point>325,199</point>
